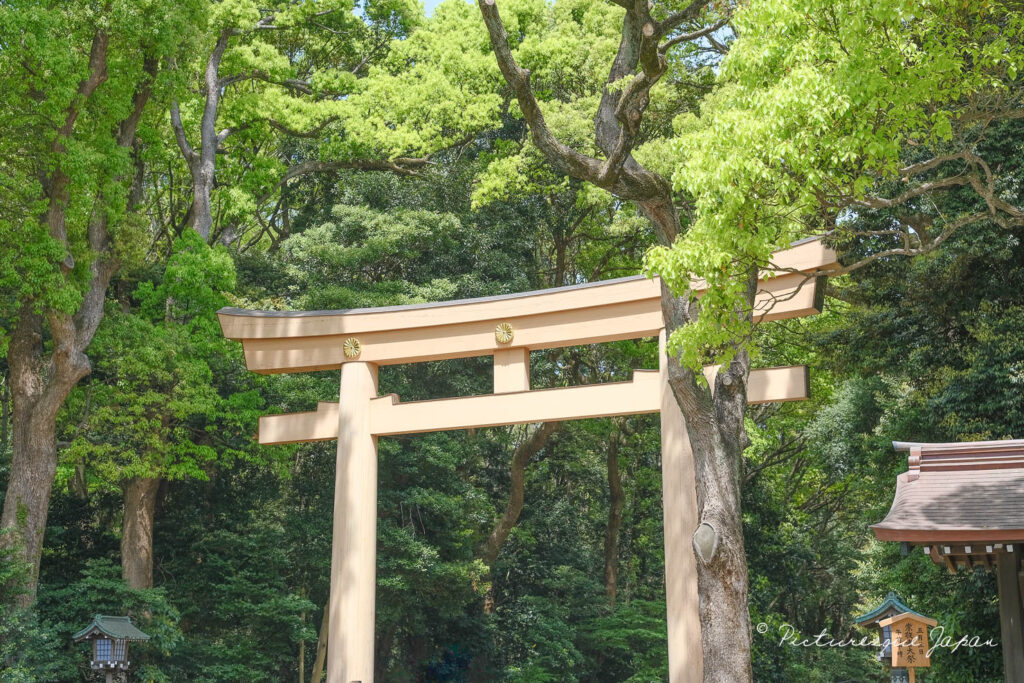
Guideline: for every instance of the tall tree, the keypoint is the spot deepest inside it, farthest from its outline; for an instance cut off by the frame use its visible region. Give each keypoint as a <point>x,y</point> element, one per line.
<point>70,115</point>
<point>748,199</point>
<point>714,420</point>
<point>160,405</point>
<point>275,95</point>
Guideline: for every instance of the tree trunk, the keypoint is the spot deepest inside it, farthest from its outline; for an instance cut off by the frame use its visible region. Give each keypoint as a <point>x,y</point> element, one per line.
<point>524,452</point>
<point>33,467</point>
<point>202,161</point>
<point>200,215</point>
<point>321,645</point>
<point>617,498</point>
<point>137,531</point>
<point>383,648</point>
<point>721,581</point>
<point>302,654</point>
<point>715,426</point>
<point>5,413</point>
<point>714,423</point>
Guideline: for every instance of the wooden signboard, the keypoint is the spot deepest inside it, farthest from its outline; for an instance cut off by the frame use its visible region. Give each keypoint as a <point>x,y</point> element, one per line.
<point>909,639</point>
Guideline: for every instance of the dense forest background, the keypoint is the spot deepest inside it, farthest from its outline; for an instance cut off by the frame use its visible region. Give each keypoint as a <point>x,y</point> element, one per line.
<point>305,156</point>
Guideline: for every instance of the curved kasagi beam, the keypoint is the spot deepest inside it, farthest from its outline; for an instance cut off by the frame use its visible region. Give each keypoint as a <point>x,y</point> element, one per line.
<point>626,308</point>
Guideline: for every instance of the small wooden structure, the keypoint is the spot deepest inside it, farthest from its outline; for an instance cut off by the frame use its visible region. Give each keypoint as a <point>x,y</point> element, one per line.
<point>110,637</point>
<point>507,328</point>
<point>909,640</point>
<point>963,504</point>
<point>890,607</point>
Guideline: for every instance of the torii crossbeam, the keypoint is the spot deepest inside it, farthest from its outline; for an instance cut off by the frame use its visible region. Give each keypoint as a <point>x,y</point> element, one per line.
<point>507,328</point>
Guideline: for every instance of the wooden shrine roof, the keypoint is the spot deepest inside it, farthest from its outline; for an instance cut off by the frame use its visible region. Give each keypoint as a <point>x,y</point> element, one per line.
<point>957,492</point>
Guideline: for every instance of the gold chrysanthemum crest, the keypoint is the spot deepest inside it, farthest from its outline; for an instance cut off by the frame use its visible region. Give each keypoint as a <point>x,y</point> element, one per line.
<point>352,348</point>
<point>503,333</point>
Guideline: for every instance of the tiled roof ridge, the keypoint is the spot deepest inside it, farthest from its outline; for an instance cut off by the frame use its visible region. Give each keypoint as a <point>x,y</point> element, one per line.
<point>968,455</point>
<point>114,627</point>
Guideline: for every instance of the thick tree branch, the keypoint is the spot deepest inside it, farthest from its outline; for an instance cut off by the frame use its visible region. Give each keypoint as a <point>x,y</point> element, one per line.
<point>525,451</point>
<point>924,247</point>
<point>694,35</point>
<point>871,202</point>
<point>560,155</point>
<point>213,88</point>
<point>105,262</point>
<point>401,166</point>
<point>312,133</point>
<point>55,186</point>
<point>674,20</point>
<point>179,133</point>
<point>619,174</point>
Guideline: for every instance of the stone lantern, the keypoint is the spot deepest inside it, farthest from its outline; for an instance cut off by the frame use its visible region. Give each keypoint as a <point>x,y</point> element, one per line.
<point>110,637</point>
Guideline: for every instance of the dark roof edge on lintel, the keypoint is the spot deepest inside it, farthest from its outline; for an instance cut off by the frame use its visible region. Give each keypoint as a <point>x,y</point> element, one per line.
<point>229,310</point>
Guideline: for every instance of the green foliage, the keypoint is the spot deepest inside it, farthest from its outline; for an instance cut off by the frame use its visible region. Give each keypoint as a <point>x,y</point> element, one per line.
<point>99,590</point>
<point>813,98</point>
<point>629,644</point>
<point>25,644</point>
<point>154,406</point>
<point>40,79</point>
<point>819,103</point>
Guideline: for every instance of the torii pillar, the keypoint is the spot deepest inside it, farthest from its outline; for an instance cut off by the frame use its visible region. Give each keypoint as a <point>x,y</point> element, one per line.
<point>679,508</point>
<point>507,328</point>
<point>354,542</point>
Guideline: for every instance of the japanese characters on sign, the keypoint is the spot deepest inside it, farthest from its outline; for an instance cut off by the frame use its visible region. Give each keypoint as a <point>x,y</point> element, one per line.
<point>909,639</point>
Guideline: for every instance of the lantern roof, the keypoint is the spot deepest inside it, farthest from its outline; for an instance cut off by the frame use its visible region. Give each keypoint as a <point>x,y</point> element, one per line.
<point>120,628</point>
<point>891,605</point>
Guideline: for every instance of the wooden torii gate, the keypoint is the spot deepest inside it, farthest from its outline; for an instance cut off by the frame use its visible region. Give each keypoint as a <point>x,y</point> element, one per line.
<point>508,328</point>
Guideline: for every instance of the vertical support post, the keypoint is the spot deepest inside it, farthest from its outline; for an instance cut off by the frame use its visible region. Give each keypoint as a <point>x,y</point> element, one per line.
<point>511,370</point>
<point>1011,612</point>
<point>354,542</point>
<point>685,656</point>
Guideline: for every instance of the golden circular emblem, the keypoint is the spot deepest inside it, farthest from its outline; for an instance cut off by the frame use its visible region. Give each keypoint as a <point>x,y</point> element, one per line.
<point>352,348</point>
<point>503,333</point>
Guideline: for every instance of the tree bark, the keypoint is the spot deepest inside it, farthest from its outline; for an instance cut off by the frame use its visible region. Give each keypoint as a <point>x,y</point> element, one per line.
<point>617,499</point>
<point>5,413</point>
<point>302,654</point>
<point>530,446</point>
<point>202,163</point>
<point>714,423</point>
<point>34,449</point>
<point>137,531</point>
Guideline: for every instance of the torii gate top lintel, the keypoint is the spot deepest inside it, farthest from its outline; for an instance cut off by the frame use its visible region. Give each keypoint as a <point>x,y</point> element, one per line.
<point>610,310</point>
